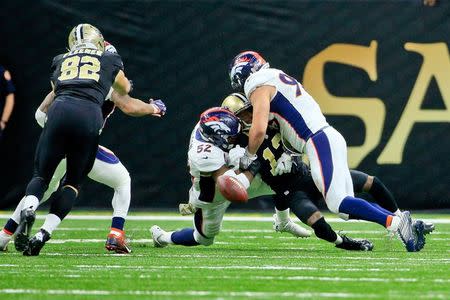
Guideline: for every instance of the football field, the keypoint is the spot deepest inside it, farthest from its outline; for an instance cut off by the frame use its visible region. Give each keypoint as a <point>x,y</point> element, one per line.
<point>248,261</point>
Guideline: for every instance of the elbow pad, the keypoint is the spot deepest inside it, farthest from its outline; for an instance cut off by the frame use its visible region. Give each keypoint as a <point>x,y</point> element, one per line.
<point>40,117</point>
<point>241,177</point>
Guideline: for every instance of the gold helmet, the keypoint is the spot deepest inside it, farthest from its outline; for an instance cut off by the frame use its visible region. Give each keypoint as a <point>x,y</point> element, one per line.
<point>86,36</point>
<point>237,103</point>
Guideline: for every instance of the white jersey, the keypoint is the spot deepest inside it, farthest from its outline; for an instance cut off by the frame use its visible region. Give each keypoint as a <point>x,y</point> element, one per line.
<point>297,113</point>
<point>203,159</point>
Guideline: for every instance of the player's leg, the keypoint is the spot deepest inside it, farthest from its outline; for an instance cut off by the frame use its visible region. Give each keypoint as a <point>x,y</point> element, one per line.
<point>207,224</point>
<point>282,220</point>
<point>81,143</point>
<point>109,171</point>
<point>327,153</point>
<point>49,153</point>
<point>302,206</point>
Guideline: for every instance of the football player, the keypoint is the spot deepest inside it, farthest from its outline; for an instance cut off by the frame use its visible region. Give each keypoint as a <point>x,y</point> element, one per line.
<point>81,80</point>
<point>292,182</point>
<point>276,96</point>
<point>212,137</point>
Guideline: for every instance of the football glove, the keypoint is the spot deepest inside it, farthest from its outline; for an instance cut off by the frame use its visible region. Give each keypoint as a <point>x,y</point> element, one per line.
<point>284,164</point>
<point>159,107</point>
<point>246,160</point>
<point>234,155</point>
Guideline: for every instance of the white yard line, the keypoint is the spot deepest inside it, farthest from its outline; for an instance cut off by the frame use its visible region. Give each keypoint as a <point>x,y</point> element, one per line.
<point>220,294</point>
<point>226,218</point>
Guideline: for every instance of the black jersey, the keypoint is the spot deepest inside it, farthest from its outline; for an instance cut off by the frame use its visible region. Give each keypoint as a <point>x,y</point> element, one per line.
<point>268,153</point>
<point>85,74</point>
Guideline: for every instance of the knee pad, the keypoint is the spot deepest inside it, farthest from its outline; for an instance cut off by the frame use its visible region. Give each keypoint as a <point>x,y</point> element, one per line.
<point>333,206</point>
<point>203,240</point>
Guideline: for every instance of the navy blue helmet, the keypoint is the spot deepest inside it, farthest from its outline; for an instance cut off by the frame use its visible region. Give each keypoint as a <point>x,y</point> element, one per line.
<point>220,127</point>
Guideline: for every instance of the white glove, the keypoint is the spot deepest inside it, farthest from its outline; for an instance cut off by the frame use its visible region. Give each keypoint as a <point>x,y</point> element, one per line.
<point>284,164</point>
<point>187,209</point>
<point>40,117</point>
<point>234,155</point>
<point>246,160</point>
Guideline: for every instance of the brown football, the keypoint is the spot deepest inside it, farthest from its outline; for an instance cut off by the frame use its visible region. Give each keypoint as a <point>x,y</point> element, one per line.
<point>232,189</point>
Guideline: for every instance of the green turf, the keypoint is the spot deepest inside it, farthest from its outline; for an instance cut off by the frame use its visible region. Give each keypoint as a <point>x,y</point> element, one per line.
<point>248,261</point>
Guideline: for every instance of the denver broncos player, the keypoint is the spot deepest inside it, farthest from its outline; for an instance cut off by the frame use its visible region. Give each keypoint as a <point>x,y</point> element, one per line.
<point>212,137</point>
<point>276,96</point>
<point>81,80</point>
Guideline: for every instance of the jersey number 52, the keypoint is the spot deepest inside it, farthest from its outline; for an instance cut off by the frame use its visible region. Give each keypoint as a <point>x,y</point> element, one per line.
<point>85,67</point>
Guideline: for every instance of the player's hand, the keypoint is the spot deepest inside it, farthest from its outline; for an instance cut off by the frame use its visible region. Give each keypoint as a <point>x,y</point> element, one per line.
<point>284,164</point>
<point>159,107</point>
<point>246,160</point>
<point>234,156</point>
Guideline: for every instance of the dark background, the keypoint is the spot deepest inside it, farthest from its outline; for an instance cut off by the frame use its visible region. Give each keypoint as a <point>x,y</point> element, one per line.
<point>179,51</point>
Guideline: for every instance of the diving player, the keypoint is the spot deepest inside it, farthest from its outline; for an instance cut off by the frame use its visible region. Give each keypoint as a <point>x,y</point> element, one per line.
<point>81,80</point>
<point>212,137</point>
<point>276,96</point>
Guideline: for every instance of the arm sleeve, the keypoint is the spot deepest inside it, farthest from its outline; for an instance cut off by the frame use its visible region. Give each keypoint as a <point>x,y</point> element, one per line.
<point>116,62</point>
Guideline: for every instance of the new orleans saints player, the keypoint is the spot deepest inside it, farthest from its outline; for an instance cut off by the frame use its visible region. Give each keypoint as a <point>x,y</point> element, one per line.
<point>81,80</point>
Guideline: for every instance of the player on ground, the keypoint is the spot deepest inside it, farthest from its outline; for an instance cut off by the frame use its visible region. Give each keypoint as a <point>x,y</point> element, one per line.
<point>211,138</point>
<point>81,80</point>
<point>277,96</point>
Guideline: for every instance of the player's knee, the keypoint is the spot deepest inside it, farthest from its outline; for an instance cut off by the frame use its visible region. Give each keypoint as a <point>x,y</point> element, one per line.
<point>212,230</point>
<point>203,240</point>
<point>333,205</point>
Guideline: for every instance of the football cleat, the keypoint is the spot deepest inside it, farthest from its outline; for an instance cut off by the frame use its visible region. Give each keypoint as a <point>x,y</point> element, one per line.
<point>157,232</point>
<point>4,240</point>
<point>187,209</point>
<point>291,227</point>
<point>419,230</point>
<point>428,227</point>
<point>36,243</point>
<point>21,239</point>
<point>405,231</point>
<point>355,245</point>
<point>116,241</point>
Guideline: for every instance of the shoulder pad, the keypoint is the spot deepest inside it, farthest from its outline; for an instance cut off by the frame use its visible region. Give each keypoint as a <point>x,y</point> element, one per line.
<point>262,77</point>
<point>206,158</point>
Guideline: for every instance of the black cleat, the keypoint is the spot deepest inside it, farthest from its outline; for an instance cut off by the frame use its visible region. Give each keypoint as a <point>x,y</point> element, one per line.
<point>354,245</point>
<point>428,227</point>
<point>27,217</point>
<point>36,243</point>
<point>419,230</point>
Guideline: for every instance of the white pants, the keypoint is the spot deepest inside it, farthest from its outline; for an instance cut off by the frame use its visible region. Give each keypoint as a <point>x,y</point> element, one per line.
<point>327,153</point>
<point>110,172</point>
<point>208,217</point>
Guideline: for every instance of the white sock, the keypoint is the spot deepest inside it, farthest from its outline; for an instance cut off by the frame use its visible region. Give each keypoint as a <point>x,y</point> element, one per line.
<point>4,235</point>
<point>398,212</point>
<point>394,224</point>
<point>51,222</point>
<point>121,201</point>
<point>167,237</point>
<point>30,201</point>
<point>282,215</point>
<point>338,240</point>
<point>16,214</point>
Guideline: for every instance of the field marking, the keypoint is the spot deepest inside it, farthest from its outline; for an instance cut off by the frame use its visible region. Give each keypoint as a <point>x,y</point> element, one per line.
<point>220,294</point>
<point>226,218</point>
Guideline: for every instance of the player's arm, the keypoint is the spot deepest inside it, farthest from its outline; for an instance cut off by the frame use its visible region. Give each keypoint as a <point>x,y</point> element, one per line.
<point>245,177</point>
<point>137,108</point>
<point>9,100</point>
<point>260,99</point>
<point>41,112</point>
<point>121,84</point>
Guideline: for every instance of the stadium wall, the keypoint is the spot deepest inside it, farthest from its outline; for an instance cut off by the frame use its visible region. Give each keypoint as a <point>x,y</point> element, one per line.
<point>380,71</point>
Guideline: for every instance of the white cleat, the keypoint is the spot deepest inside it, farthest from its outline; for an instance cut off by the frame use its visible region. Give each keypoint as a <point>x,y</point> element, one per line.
<point>291,227</point>
<point>4,240</point>
<point>157,233</point>
<point>405,232</point>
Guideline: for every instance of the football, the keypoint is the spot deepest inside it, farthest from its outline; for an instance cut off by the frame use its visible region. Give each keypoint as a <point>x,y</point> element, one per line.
<point>232,189</point>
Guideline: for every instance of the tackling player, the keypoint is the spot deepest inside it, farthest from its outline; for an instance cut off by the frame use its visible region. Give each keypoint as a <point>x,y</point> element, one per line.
<point>212,137</point>
<point>277,96</point>
<point>81,80</point>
